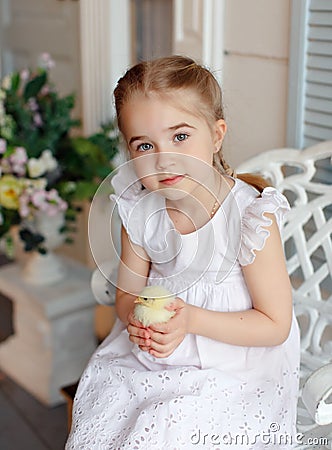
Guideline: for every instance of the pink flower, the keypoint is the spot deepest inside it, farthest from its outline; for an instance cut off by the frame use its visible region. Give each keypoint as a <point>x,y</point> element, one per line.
<point>24,205</point>
<point>51,209</point>
<point>48,201</point>
<point>38,198</point>
<point>3,146</point>
<point>53,195</point>
<point>46,61</point>
<point>37,120</point>
<point>62,205</point>
<point>18,169</point>
<point>45,90</point>
<point>24,74</point>
<point>33,105</point>
<point>18,161</point>
<point>19,156</point>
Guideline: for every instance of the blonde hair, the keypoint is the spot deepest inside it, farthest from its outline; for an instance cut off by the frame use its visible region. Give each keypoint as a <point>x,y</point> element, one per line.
<point>164,76</point>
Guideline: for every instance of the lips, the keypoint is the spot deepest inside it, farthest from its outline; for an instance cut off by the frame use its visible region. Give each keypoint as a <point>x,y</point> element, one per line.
<point>172,180</point>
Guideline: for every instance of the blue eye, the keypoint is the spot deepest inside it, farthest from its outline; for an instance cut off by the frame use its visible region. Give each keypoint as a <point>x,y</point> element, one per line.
<point>181,137</point>
<point>144,147</point>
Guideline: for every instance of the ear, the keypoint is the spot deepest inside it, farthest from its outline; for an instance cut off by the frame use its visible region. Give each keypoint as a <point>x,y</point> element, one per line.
<point>220,129</point>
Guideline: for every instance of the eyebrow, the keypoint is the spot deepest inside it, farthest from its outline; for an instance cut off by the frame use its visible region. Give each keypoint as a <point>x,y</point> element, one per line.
<point>180,125</point>
<point>137,138</point>
<point>172,128</point>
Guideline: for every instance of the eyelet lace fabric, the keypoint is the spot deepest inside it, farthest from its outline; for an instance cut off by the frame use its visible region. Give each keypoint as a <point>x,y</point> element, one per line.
<point>207,394</point>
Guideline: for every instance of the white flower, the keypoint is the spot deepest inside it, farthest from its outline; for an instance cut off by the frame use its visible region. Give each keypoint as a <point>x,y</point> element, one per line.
<point>36,167</point>
<point>32,185</point>
<point>7,82</point>
<point>41,183</point>
<point>48,160</point>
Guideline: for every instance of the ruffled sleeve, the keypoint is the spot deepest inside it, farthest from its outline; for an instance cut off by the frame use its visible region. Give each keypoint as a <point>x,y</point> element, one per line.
<point>128,194</point>
<point>254,222</point>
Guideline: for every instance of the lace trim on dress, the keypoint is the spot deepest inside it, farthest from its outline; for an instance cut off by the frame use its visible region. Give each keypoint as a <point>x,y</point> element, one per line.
<point>254,233</point>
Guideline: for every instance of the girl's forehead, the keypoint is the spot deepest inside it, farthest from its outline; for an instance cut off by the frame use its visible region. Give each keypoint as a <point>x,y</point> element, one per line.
<point>161,106</point>
<point>177,99</point>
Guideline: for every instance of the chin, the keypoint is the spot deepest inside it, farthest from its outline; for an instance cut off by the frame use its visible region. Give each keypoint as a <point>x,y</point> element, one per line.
<point>172,193</point>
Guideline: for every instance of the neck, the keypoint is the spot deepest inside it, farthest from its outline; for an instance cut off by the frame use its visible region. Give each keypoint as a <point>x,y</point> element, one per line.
<point>195,209</point>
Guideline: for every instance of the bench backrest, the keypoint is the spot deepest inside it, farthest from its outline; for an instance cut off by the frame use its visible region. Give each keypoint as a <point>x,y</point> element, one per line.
<point>303,176</point>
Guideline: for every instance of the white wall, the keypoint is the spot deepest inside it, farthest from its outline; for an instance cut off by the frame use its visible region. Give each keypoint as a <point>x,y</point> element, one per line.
<point>255,76</point>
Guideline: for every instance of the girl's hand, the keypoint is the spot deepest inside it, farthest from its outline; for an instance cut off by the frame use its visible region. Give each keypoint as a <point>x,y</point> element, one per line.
<point>166,337</point>
<point>138,334</point>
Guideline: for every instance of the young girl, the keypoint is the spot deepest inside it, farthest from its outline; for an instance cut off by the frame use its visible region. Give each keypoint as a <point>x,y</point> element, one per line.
<point>223,372</point>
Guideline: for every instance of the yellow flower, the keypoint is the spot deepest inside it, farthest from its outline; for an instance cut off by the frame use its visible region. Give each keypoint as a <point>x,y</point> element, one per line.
<point>10,189</point>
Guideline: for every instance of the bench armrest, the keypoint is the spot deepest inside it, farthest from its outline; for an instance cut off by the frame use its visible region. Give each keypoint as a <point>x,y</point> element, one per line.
<point>103,282</point>
<point>316,390</point>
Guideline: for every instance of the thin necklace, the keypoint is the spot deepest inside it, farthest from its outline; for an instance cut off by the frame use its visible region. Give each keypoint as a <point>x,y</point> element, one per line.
<point>216,203</point>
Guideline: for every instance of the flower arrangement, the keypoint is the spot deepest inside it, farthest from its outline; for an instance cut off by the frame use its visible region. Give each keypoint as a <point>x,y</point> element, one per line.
<point>42,167</point>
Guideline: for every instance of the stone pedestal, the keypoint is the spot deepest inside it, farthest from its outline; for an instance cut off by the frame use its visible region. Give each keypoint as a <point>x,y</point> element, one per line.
<point>54,331</point>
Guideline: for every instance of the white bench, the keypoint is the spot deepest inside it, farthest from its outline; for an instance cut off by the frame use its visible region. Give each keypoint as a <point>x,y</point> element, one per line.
<point>308,248</point>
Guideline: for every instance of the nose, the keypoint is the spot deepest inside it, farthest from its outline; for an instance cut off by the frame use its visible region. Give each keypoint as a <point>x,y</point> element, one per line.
<point>165,160</point>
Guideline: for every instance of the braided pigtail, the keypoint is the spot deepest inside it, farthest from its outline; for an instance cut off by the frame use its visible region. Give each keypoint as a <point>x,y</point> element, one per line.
<point>223,167</point>
<point>227,168</point>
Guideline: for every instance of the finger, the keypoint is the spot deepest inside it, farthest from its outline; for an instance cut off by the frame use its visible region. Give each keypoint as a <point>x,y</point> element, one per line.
<point>139,332</point>
<point>144,348</point>
<point>162,338</point>
<point>161,327</point>
<point>171,325</point>
<point>139,341</point>
<point>163,348</point>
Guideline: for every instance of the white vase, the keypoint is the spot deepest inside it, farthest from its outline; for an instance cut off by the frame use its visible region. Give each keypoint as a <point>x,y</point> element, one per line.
<point>46,269</point>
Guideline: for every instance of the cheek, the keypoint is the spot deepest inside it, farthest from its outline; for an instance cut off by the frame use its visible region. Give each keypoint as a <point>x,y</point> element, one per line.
<point>148,182</point>
<point>144,166</point>
<point>199,169</point>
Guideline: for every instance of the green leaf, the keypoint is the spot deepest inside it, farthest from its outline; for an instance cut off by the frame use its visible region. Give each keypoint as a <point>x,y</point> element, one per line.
<point>84,147</point>
<point>16,79</point>
<point>70,215</point>
<point>85,189</point>
<point>34,86</point>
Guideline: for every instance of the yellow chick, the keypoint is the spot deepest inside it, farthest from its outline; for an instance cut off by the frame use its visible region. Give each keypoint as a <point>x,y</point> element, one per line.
<point>150,305</point>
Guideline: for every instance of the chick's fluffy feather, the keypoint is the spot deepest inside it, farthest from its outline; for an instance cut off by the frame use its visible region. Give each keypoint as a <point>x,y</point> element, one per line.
<point>151,303</point>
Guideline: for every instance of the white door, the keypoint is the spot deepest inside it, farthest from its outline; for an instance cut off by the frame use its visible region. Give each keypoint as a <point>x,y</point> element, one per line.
<point>29,28</point>
<point>198,31</point>
<point>185,27</point>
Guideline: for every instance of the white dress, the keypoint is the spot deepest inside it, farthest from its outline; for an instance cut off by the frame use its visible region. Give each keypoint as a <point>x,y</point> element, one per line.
<point>207,394</point>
